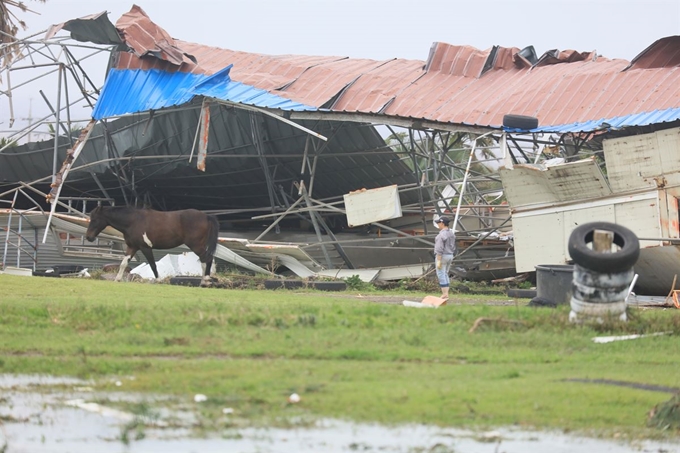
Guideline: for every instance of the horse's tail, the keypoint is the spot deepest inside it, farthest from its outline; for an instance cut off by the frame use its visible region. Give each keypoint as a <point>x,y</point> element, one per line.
<point>213,232</point>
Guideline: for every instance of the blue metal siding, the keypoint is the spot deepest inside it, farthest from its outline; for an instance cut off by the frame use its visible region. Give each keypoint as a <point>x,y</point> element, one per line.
<point>619,122</point>
<point>132,91</point>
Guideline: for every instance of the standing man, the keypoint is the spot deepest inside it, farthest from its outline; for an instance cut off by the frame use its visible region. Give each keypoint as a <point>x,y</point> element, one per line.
<point>444,248</point>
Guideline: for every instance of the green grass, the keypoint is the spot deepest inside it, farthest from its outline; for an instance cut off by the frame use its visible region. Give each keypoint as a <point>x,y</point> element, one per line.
<point>347,358</point>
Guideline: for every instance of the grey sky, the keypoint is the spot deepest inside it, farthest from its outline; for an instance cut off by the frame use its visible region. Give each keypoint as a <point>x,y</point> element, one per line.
<point>381,29</point>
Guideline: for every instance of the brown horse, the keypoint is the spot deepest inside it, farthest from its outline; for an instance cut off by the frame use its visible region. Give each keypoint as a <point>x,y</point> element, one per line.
<point>146,229</point>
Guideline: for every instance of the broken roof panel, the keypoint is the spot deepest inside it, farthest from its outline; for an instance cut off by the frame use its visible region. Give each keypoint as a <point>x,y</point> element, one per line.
<point>664,53</point>
<point>638,119</point>
<point>131,91</point>
<point>94,28</point>
<point>456,85</point>
<point>144,37</point>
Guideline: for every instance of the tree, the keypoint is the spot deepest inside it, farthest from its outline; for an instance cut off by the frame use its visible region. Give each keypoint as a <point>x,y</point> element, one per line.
<point>10,23</point>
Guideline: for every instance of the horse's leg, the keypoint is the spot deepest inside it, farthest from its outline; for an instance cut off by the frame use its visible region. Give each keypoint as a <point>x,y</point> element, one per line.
<point>148,253</point>
<point>207,266</point>
<point>129,253</point>
<point>206,263</point>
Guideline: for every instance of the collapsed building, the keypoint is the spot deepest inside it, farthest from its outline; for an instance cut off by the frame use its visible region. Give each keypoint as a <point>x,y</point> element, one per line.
<point>322,165</point>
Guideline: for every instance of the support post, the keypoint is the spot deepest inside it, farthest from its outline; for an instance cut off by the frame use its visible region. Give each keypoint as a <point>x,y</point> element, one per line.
<point>303,191</point>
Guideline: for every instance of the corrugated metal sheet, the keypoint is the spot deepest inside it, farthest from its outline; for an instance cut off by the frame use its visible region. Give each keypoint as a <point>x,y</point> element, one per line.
<point>537,184</point>
<point>93,28</point>
<point>131,91</point>
<point>144,37</point>
<point>637,119</point>
<point>643,161</point>
<point>566,90</point>
<point>158,150</point>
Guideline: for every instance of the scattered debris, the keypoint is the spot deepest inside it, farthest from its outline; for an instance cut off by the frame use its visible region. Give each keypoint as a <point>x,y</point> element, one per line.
<point>490,436</point>
<point>294,398</point>
<point>627,337</point>
<point>171,265</point>
<point>321,285</point>
<point>479,321</point>
<point>665,415</point>
<point>519,293</point>
<point>228,410</point>
<point>633,385</point>
<point>410,303</point>
<point>512,279</point>
<point>99,409</point>
<point>427,302</point>
<point>648,301</point>
<point>84,274</point>
<point>115,413</point>
<point>83,389</point>
<point>199,398</point>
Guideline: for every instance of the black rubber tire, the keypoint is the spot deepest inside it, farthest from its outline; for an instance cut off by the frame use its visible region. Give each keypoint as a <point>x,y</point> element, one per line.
<point>294,284</point>
<point>619,261</point>
<point>330,286</point>
<point>283,284</point>
<point>520,122</point>
<point>521,293</point>
<point>186,281</point>
<point>542,302</point>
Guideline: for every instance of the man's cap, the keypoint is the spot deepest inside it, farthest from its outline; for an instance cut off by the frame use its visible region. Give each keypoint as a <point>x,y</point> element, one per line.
<point>444,220</point>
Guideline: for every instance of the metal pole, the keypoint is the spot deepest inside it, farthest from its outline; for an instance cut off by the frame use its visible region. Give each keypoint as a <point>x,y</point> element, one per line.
<point>467,173</point>
<point>19,238</point>
<point>53,196</point>
<point>303,191</point>
<point>56,129</point>
<point>276,222</point>
<point>9,226</point>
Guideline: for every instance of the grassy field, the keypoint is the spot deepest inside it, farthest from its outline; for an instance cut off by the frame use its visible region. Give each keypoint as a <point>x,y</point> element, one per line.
<point>346,357</point>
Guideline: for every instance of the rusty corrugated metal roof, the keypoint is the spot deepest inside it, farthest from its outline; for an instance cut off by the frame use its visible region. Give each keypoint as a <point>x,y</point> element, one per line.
<point>457,84</point>
<point>144,37</point>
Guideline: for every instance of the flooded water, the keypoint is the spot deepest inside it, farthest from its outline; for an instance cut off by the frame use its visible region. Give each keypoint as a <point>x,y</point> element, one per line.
<point>45,414</point>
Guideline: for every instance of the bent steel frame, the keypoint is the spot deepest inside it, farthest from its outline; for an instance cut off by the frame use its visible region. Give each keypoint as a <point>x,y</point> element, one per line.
<point>454,166</point>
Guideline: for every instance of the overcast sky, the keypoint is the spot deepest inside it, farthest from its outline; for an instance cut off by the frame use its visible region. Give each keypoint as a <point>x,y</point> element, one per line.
<point>382,29</point>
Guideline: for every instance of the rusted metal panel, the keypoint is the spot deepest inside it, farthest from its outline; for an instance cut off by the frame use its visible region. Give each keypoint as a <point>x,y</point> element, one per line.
<point>527,185</point>
<point>643,161</point>
<point>632,162</point>
<point>669,211</point>
<point>463,61</point>
<point>144,37</point>
<point>322,83</point>
<point>457,84</point>
<point>664,53</point>
<point>375,89</point>
<point>668,142</point>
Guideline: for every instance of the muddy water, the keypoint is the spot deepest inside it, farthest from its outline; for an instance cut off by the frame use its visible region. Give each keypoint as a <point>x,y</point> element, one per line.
<point>44,414</point>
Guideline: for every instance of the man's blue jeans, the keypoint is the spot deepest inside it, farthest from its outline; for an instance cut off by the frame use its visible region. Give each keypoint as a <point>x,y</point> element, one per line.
<point>443,273</point>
